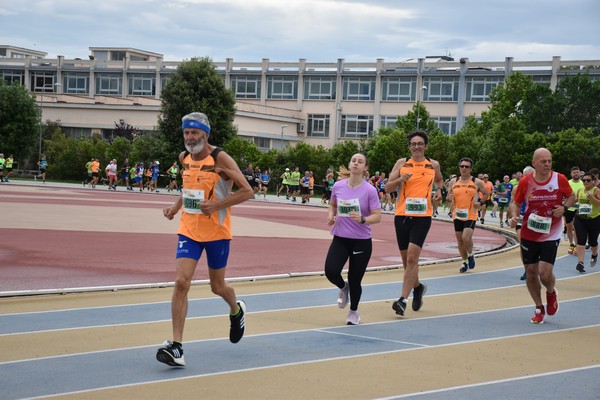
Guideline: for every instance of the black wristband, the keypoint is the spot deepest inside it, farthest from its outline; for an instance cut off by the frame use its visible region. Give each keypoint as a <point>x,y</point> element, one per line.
<point>565,208</point>
<point>362,219</point>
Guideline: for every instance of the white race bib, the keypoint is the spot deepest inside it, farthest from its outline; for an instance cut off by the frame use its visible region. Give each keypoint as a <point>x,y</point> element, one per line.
<point>345,206</point>
<point>503,200</point>
<point>192,200</point>
<point>462,213</point>
<point>539,224</point>
<point>584,209</point>
<point>415,206</point>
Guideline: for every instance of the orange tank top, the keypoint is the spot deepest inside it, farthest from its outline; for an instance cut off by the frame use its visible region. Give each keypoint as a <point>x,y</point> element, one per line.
<point>200,183</point>
<point>414,197</point>
<point>464,201</point>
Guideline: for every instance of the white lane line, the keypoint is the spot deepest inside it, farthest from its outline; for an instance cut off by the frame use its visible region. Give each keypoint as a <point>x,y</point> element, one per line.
<point>327,330</point>
<point>304,363</point>
<point>494,382</point>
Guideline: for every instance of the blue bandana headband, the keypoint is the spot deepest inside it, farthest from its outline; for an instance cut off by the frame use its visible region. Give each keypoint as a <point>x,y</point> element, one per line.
<point>195,124</point>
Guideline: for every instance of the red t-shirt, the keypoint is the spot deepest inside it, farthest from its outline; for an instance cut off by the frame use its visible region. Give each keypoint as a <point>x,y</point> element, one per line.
<point>539,224</point>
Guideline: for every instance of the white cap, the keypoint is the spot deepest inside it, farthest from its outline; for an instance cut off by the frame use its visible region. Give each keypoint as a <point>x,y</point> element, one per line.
<point>157,163</point>
<point>287,169</point>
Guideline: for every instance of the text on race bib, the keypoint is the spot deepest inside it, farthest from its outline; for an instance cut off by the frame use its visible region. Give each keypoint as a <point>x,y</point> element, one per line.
<point>539,224</point>
<point>345,206</point>
<point>415,206</point>
<point>192,200</point>
<point>462,213</point>
<point>584,209</point>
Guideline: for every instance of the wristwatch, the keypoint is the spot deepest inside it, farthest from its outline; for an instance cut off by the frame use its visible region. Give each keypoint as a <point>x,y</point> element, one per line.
<point>362,219</point>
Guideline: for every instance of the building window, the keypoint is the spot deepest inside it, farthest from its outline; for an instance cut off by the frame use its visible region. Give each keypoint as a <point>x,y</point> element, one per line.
<point>282,87</point>
<point>319,88</point>
<point>77,132</point>
<point>246,87</point>
<point>13,76</point>
<point>262,143</point>
<point>446,124</point>
<point>42,81</point>
<point>440,89</point>
<point>541,79</point>
<point>318,125</point>
<point>359,89</point>
<point>75,83</point>
<point>398,89</point>
<point>356,126</point>
<point>117,55</point>
<point>479,88</point>
<point>142,85</point>
<point>109,84</point>
<point>389,121</point>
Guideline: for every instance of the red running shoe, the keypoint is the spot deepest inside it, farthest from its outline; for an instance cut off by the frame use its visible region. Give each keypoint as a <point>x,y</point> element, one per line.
<point>538,315</point>
<point>552,302</point>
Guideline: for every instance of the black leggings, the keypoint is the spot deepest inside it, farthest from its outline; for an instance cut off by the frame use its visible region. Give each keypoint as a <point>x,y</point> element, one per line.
<point>587,230</point>
<point>359,253</point>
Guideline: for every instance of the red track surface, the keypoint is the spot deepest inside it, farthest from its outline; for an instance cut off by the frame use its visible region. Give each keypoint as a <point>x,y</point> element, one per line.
<point>33,258</point>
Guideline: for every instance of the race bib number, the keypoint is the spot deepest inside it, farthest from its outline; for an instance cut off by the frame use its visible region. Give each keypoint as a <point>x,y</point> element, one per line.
<point>192,200</point>
<point>539,224</point>
<point>462,213</point>
<point>503,200</point>
<point>585,209</point>
<point>416,206</point>
<point>345,206</point>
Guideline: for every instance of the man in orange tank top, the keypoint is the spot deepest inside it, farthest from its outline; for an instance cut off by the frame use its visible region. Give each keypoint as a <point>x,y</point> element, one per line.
<point>464,192</point>
<point>206,198</point>
<point>415,176</point>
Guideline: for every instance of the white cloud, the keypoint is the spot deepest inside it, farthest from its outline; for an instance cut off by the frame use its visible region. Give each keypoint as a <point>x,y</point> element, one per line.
<point>318,30</point>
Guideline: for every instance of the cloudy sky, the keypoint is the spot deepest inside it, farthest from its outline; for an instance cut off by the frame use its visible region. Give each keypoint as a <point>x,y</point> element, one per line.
<point>317,30</point>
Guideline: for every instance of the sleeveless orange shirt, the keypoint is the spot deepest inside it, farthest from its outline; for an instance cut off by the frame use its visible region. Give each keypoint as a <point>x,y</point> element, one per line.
<point>200,183</point>
<point>464,201</point>
<point>414,197</point>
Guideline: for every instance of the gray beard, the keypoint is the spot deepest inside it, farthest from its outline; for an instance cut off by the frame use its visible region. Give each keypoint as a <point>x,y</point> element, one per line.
<point>197,148</point>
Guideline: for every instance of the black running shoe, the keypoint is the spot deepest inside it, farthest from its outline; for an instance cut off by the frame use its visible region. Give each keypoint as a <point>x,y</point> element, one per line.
<point>471,261</point>
<point>171,354</point>
<point>524,276</point>
<point>238,323</point>
<point>580,268</point>
<point>418,293</point>
<point>464,268</point>
<point>400,306</point>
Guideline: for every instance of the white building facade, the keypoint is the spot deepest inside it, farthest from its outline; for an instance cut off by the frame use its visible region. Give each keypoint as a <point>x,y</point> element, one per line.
<point>277,102</point>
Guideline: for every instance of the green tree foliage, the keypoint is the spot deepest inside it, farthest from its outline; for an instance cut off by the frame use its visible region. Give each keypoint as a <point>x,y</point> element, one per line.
<point>119,149</point>
<point>19,122</point>
<point>196,87</point>
<point>385,148</point>
<point>341,153</point>
<point>571,147</point>
<point>242,151</point>
<point>151,147</point>
<point>408,122</point>
<point>579,100</point>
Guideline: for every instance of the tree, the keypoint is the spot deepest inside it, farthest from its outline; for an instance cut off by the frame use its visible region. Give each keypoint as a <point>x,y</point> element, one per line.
<point>196,87</point>
<point>579,97</point>
<point>242,151</point>
<point>124,130</point>
<point>19,122</point>
<point>342,152</point>
<point>571,147</point>
<point>408,122</point>
<point>386,147</point>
